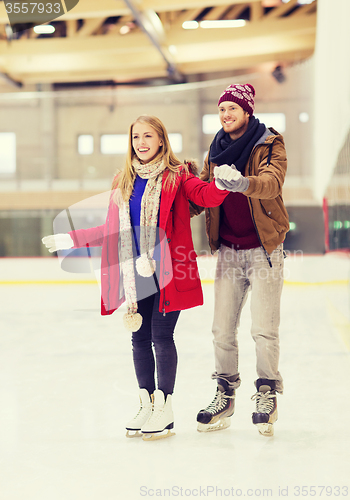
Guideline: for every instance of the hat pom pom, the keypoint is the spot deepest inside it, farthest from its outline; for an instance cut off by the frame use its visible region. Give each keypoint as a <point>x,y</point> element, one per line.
<point>145,266</point>
<point>132,322</point>
<point>251,88</point>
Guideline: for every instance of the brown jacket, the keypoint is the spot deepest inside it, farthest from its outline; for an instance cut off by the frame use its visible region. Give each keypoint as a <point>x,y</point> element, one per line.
<point>264,193</point>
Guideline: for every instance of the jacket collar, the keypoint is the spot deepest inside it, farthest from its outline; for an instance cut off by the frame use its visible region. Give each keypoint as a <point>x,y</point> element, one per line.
<point>268,136</point>
<point>166,200</point>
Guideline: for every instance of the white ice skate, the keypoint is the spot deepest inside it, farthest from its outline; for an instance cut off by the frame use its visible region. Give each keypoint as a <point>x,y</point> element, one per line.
<point>133,428</point>
<point>162,419</point>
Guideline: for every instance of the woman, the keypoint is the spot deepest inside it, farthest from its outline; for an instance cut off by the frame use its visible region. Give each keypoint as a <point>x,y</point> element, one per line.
<point>148,220</point>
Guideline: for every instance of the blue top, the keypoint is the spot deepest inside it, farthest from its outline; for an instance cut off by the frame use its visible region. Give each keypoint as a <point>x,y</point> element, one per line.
<point>135,200</point>
<point>135,213</point>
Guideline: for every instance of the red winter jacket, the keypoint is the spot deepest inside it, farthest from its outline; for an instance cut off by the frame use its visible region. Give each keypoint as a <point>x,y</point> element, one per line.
<point>180,286</point>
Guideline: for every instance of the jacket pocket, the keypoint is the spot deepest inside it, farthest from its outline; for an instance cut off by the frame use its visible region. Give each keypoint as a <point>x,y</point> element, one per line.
<point>275,214</point>
<point>186,276</point>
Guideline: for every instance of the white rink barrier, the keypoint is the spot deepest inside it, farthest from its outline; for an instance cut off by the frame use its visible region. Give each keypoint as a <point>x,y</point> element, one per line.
<point>298,268</point>
<point>318,269</point>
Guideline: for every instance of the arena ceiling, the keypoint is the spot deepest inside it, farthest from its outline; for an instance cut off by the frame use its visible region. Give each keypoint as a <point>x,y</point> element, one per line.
<point>128,41</point>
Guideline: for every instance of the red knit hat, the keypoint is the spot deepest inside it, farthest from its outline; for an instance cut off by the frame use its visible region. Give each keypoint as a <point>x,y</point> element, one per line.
<point>241,94</point>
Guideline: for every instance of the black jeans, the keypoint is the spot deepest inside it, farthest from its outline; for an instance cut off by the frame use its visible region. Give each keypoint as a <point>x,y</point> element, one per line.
<point>153,344</point>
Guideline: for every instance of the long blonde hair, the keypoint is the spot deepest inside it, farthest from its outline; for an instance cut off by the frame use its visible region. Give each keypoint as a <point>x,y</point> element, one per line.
<point>125,180</point>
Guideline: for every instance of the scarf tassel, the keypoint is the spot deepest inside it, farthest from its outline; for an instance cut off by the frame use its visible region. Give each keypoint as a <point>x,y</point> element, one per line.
<point>132,321</point>
<point>145,266</point>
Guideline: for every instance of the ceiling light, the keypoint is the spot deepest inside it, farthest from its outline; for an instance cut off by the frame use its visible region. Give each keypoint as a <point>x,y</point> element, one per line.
<point>223,23</point>
<point>304,117</point>
<point>172,49</point>
<point>124,30</point>
<point>44,29</point>
<point>190,25</point>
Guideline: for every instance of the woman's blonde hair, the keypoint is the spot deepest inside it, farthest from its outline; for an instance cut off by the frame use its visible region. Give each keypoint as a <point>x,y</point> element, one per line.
<point>125,180</point>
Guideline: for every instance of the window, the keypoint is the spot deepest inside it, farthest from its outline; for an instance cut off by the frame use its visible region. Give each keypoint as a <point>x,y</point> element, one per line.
<point>85,144</point>
<point>176,142</point>
<point>114,144</point>
<point>275,120</point>
<point>7,152</point>
<point>211,123</point>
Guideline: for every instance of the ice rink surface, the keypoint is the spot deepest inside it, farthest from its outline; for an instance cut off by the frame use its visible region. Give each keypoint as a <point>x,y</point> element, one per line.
<point>67,388</point>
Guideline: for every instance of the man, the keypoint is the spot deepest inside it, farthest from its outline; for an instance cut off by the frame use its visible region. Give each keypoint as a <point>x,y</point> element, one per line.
<point>248,229</point>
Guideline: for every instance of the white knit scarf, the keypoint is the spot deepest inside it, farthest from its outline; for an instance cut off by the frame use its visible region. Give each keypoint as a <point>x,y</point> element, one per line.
<point>145,264</point>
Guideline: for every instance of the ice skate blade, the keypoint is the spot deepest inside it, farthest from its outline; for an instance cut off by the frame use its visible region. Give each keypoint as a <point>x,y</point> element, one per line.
<point>136,434</point>
<point>265,429</point>
<point>155,436</point>
<point>217,426</point>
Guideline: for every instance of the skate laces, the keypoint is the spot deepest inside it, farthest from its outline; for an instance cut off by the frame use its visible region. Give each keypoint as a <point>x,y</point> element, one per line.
<point>141,410</point>
<point>219,402</point>
<point>157,412</point>
<point>264,401</point>
<point>144,409</point>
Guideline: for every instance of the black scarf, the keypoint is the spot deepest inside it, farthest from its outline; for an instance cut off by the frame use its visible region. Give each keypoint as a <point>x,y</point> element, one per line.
<point>224,150</point>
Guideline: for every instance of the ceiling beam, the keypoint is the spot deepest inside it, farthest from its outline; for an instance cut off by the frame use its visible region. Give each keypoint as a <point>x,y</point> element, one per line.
<point>135,42</point>
<point>236,11</point>
<point>281,10</point>
<point>125,57</point>
<point>188,15</point>
<point>256,11</point>
<point>305,9</point>
<point>113,29</point>
<point>152,26</point>
<point>4,77</point>
<point>251,31</point>
<point>298,52</point>
<point>160,5</point>
<point>216,13</point>
<point>90,26</point>
<point>71,28</point>
<point>109,8</point>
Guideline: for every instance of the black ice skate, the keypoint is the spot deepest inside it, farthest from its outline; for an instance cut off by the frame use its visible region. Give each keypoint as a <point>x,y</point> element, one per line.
<point>216,416</point>
<point>266,406</point>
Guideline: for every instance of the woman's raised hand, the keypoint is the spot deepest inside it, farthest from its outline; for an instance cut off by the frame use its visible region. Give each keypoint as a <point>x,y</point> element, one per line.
<point>56,242</point>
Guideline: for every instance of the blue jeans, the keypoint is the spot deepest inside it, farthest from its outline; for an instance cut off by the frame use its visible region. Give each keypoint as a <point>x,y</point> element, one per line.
<point>237,272</point>
<point>153,344</point>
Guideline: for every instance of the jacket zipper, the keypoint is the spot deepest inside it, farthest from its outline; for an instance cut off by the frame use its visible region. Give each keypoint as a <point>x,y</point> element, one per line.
<point>249,199</point>
<point>163,308</point>
<point>109,278</point>
<point>257,232</point>
<point>209,209</point>
<point>251,205</point>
